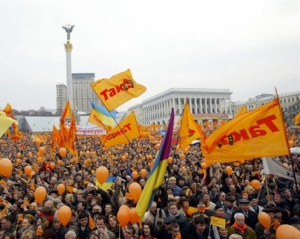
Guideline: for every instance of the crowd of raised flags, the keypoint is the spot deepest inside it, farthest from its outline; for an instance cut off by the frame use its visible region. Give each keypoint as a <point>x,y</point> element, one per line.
<point>251,134</point>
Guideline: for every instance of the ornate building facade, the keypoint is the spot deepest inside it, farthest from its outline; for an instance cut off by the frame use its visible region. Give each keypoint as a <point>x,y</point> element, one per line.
<point>205,104</point>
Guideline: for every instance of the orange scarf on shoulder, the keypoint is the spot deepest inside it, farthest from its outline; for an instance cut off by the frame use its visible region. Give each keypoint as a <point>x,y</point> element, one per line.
<point>203,210</point>
<point>242,229</point>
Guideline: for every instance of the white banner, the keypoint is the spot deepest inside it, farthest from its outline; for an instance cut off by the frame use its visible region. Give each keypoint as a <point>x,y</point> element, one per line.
<point>90,130</point>
<point>271,166</point>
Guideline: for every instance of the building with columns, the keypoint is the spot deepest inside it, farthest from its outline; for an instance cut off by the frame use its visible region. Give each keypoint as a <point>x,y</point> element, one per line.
<point>205,104</point>
<point>286,100</point>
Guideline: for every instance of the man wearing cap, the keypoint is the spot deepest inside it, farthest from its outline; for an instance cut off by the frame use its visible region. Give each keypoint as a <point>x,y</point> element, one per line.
<point>250,216</point>
<point>165,230</point>
<point>253,205</point>
<point>228,208</point>
<point>241,228</point>
<point>262,232</point>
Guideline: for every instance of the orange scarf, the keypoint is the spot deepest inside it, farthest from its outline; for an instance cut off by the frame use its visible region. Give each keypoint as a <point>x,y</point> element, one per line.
<point>242,229</point>
<point>203,210</point>
<point>276,224</point>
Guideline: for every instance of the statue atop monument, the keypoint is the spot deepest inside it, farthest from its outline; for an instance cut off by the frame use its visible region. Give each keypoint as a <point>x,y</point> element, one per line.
<point>68,29</point>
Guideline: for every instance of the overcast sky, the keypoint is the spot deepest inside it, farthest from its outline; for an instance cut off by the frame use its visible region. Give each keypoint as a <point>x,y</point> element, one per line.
<point>248,47</point>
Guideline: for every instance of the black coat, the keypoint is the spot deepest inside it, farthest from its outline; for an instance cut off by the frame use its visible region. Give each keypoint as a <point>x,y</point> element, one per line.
<point>250,221</point>
<point>190,232</point>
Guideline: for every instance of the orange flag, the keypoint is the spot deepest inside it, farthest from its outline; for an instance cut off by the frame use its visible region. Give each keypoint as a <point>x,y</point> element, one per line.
<point>7,110</point>
<point>117,90</point>
<point>92,224</point>
<point>122,133</point>
<point>258,133</point>
<point>71,137</point>
<point>189,130</point>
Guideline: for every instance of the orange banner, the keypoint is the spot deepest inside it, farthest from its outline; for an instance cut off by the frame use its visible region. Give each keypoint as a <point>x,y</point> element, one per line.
<point>117,90</point>
<point>258,133</point>
<point>122,133</point>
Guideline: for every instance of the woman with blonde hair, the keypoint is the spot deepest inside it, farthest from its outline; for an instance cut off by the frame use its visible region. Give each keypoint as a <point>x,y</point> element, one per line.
<point>69,201</point>
<point>28,234</point>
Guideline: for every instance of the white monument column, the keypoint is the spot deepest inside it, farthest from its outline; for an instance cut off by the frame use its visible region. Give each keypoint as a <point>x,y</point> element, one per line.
<point>68,48</point>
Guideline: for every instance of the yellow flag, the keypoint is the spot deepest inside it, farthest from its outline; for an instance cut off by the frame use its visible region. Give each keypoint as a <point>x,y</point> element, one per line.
<point>242,110</point>
<point>122,133</point>
<point>258,133</point>
<point>117,90</point>
<point>297,119</point>
<point>189,130</point>
<point>218,222</point>
<point>5,122</point>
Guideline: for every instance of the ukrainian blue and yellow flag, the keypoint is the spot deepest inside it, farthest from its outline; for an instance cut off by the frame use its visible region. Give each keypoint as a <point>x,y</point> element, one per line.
<point>108,183</point>
<point>157,173</point>
<point>101,117</point>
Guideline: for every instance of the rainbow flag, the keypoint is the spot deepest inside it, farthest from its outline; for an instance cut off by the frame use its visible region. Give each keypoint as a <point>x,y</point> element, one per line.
<point>158,171</point>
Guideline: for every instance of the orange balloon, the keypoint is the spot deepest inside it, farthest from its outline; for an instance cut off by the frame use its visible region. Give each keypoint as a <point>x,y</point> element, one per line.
<point>52,165</point>
<point>5,167</point>
<point>181,156</point>
<point>30,155</point>
<point>32,174</point>
<point>287,232</point>
<point>28,170</point>
<point>151,163</point>
<point>186,150</point>
<point>143,172</point>
<point>255,183</point>
<point>177,148</point>
<point>38,142</point>
<point>40,194</point>
<point>19,155</point>
<point>204,165</point>
<point>264,219</point>
<point>291,143</point>
<point>64,215</point>
<point>40,159</point>
<point>157,146</point>
<point>18,161</point>
<point>60,162</point>
<point>228,170</point>
<point>135,174</point>
<point>133,216</point>
<point>62,152</point>
<point>124,207</point>
<point>61,188</point>
<point>87,153</point>
<point>170,160</point>
<point>135,191</point>
<point>42,150</point>
<point>123,157</point>
<point>102,174</point>
<point>123,217</point>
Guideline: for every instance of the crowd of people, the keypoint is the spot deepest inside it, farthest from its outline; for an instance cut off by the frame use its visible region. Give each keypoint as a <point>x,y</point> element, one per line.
<point>182,207</point>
